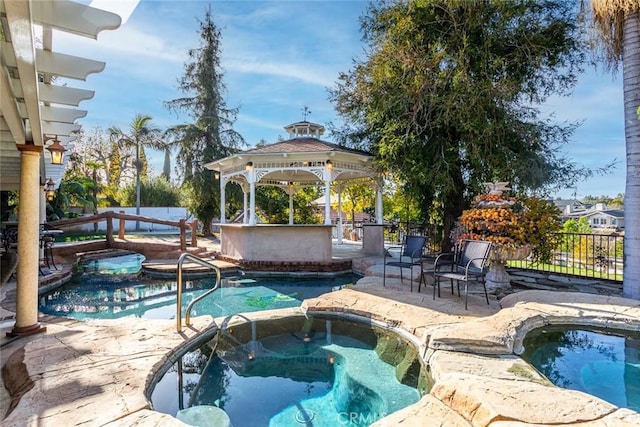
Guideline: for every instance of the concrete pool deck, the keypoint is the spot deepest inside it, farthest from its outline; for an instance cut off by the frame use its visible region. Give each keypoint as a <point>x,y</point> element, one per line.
<point>97,372</point>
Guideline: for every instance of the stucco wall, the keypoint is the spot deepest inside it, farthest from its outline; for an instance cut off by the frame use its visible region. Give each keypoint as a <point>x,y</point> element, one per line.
<point>302,243</point>
<point>167,213</point>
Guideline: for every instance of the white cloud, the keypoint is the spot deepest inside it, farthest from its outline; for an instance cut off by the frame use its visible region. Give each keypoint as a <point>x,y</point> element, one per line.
<point>304,72</point>
<point>125,43</point>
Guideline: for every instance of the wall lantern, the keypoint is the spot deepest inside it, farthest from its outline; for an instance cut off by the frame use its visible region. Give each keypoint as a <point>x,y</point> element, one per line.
<point>50,190</point>
<point>217,175</point>
<point>329,164</point>
<point>249,166</point>
<point>57,151</point>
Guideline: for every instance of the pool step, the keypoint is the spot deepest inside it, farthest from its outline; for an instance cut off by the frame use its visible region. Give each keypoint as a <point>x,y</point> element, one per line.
<point>168,268</point>
<point>102,253</point>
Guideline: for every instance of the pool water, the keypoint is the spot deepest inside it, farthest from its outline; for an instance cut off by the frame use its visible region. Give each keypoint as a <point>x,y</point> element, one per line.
<point>123,264</point>
<point>601,363</point>
<point>112,288</point>
<point>323,377</point>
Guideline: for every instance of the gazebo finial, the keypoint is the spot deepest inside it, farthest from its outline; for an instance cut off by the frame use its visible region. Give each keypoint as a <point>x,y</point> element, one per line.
<point>305,113</point>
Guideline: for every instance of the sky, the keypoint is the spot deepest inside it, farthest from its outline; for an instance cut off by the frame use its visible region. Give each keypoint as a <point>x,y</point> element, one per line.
<point>280,56</point>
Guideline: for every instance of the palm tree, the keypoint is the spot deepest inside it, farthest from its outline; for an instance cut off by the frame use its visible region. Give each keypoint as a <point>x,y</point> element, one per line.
<point>617,23</point>
<point>141,134</point>
<point>77,192</point>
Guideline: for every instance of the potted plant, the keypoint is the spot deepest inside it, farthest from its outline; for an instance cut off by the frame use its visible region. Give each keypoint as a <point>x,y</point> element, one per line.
<point>519,227</point>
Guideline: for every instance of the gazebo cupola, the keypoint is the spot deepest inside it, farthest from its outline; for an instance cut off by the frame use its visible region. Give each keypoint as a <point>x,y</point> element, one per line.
<point>304,128</point>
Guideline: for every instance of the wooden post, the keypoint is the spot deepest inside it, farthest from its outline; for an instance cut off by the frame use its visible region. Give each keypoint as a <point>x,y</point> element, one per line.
<point>109,231</point>
<point>183,236</point>
<point>194,233</point>
<point>121,227</point>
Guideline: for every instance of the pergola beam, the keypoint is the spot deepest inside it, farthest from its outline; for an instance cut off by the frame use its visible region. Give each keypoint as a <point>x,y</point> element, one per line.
<point>21,34</point>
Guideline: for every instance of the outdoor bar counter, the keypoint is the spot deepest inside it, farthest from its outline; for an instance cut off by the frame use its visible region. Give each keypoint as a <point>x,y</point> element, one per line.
<point>277,242</point>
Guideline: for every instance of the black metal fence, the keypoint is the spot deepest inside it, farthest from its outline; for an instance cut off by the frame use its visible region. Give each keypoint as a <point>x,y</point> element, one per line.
<point>395,232</point>
<point>598,256</point>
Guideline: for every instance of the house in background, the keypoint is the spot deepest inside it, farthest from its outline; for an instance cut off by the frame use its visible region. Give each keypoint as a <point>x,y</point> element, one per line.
<point>600,218</point>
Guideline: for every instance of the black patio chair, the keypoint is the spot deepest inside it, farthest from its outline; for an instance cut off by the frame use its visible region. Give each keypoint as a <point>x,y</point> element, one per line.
<point>467,264</point>
<point>8,265</point>
<point>10,238</point>
<point>410,256</point>
<point>46,243</point>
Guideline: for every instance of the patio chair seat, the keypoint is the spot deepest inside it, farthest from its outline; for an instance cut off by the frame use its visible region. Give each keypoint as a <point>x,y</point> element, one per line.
<point>466,265</point>
<point>8,265</point>
<point>10,238</point>
<point>47,241</point>
<point>410,257</point>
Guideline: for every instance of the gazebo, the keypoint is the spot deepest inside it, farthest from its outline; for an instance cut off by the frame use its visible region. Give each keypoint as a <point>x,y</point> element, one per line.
<point>303,160</point>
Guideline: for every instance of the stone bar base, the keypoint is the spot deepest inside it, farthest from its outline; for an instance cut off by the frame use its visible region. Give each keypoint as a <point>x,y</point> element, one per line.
<point>373,239</point>
<point>300,243</point>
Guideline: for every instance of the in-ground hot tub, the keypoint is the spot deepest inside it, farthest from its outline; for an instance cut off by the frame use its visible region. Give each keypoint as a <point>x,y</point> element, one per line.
<point>292,371</point>
<point>602,362</point>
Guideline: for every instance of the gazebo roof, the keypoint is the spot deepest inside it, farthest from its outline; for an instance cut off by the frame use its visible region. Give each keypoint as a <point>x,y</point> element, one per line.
<point>303,145</point>
<point>299,160</point>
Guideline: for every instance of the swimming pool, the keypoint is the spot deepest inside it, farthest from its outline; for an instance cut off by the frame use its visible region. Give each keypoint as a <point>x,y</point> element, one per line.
<point>603,363</point>
<point>321,371</point>
<point>110,288</point>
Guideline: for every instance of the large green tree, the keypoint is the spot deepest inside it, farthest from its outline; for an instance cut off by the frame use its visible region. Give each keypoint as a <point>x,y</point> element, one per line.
<point>357,197</point>
<point>274,205</point>
<point>447,97</point>
<point>211,135</point>
<point>618,25</point>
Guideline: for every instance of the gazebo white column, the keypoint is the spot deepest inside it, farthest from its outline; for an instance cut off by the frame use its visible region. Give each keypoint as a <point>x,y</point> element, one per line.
<point>379,208</point>
<point>339,224</point>
<point>223,201</point>
<point>290,192</point>
<point>28,243</point>
<point>327,192</point>
<point>251,177</point>
<point>245,205</point>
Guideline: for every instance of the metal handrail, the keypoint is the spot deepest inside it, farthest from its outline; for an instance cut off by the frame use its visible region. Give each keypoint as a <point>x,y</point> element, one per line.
<point>203,263</point>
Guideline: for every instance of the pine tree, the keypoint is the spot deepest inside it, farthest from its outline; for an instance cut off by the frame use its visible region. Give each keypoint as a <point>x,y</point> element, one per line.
<point>211,135</point>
